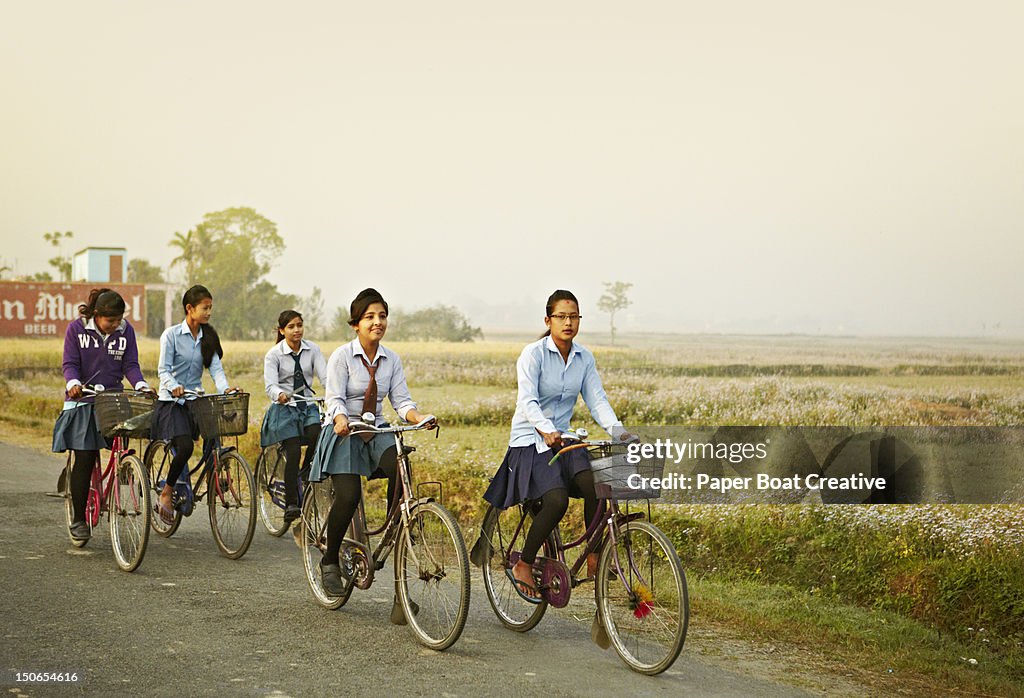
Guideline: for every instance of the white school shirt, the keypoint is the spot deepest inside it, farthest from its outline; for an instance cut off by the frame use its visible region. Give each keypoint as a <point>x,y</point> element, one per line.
<point>279,368</point>
<point>348,379</point>
<point>548,388</point>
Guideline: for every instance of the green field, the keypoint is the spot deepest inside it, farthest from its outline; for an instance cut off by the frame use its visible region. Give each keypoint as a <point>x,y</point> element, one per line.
<point>945,572</point>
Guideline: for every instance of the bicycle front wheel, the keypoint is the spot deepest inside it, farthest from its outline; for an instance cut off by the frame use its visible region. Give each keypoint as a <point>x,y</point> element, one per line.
<point>642,597</point>
<point>496,534</point>
<point>270,484</point>
<point>316,504</point>
<point>432,576</point>
<point>129,512</point>
<point>229,493</point>
<point>158,465</point>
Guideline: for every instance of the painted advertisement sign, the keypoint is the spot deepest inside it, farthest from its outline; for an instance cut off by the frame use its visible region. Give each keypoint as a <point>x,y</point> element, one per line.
<point>37,309</point>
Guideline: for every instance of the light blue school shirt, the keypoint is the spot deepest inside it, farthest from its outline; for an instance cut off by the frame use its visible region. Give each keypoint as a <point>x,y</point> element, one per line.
<point>548,388</point>
<point>279,368</point>
<point>348,379</point>
<point>181,363</point>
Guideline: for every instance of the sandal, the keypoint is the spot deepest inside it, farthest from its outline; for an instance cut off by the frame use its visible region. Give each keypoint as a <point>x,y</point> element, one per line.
<point>523,588</point>
<point>166,513</point>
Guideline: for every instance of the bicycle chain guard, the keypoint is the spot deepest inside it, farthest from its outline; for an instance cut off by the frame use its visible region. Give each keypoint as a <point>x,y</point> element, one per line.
<point>552,578</point>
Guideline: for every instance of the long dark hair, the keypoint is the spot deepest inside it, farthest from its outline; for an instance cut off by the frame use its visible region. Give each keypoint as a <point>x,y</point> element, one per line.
<point>366,298</point>
<point>559,295</point>
<point>102,302</point>
<point>283,319</point>
<point>210,343</point>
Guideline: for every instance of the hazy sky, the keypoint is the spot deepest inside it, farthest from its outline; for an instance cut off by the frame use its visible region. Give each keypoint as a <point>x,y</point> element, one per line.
<point>835,167</point>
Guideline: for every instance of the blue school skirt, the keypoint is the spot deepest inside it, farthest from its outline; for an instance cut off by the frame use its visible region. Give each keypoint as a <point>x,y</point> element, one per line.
<point>76,429</point>
<point>171,419</point>
<point>338,455</point>
<point>286,421</point>
<point>525,474</point>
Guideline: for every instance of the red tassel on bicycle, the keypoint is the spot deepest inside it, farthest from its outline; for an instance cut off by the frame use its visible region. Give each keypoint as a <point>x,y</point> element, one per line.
<point>642,606</point>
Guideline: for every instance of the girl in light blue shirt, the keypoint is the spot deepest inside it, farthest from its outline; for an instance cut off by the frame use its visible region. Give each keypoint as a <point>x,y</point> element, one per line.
<point>288,372</point>
<point>185,351</point>
<point>552,373</point>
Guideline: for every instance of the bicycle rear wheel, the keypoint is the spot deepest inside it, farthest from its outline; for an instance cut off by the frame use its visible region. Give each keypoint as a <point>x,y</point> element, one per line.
<point>129,512</point>
<point>642,597</point>
<point>316,504</point>
<point>229,494</point>
<point>158,465</point>
<point>270,484</point>
<point>496,533</point>
<point>432,576</point>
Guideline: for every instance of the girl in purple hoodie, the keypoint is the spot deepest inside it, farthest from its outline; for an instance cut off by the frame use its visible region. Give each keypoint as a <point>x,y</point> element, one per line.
<point>99,350</point>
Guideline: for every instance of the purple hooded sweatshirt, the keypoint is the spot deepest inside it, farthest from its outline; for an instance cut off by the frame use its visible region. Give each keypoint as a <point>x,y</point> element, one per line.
<point>94,359</point>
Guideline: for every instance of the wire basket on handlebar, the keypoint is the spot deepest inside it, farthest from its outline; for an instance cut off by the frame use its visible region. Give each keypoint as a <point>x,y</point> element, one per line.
<point>128,413</point>
<point>622,475</point>
<point>222,415</point>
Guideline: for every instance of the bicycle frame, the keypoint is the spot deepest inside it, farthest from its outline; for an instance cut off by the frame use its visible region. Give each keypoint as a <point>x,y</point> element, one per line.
<point>601,531</point>
<point>101,482</point>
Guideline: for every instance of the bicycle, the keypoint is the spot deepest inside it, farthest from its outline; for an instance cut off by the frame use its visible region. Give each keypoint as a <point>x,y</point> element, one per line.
<point>224,476</point>
<point>640,587</point>
<point>270,478</point>
<point>431,563</point>
<point>121,489</point>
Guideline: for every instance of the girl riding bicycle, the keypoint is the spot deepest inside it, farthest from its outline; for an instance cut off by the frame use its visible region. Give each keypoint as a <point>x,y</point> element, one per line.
<point>288,371</point>
<point>185,350</point>
<point>100,350</point>
<point>552,373</point>
<point>359,375</point>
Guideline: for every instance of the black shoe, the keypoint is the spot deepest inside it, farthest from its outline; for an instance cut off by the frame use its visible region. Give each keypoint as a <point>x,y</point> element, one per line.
<point>291,512</point>
<point>80,531</point>
<point>331,579</point>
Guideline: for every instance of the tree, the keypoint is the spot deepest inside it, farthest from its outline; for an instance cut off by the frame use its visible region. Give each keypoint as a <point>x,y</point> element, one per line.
<point>440,322</point>
<point>141,271</point>
<point>339,324</point>
<point>61,262</point>
<point>192,246</point>
<point>230,252</point>
<point>312,309</point>
<point>613,300</point>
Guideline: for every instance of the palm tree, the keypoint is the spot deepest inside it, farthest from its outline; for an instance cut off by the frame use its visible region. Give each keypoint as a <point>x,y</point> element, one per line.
<point>192,245</point>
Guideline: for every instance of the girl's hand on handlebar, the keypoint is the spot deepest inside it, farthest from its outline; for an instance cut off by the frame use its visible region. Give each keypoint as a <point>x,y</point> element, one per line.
<point>341,425</point>
<point>75,392</point>
<point>178,392</point>
<point>553,439</point>
<point>283,398</point>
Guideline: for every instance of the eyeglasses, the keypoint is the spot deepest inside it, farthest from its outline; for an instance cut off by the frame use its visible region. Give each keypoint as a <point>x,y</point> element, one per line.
<point>562,317</point>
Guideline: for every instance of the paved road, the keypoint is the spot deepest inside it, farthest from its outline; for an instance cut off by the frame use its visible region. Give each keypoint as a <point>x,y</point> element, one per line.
<point>192,622</point>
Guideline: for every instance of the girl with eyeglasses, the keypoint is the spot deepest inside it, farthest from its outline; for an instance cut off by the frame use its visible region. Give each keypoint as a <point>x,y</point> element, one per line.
<point>552,373</point>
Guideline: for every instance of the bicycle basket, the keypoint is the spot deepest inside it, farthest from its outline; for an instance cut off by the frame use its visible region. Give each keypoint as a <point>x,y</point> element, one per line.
<point>128,414</point>
<point>616,478</point>
<point>222,415</point>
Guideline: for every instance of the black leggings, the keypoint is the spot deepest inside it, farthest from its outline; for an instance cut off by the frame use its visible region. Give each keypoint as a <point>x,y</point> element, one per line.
<point>81,474</point>
<point>552,508</point>
<point>346,498</point>
<point>182,446</point>
<point>292,448</point>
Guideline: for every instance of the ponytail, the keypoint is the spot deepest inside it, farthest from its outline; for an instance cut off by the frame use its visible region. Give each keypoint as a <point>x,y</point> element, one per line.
<point>102,302</point>
<point>209,345</point>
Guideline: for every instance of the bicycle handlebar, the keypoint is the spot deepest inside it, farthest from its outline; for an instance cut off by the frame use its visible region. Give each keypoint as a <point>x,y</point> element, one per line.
<point>579,437</point>
<point>358,426</point>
